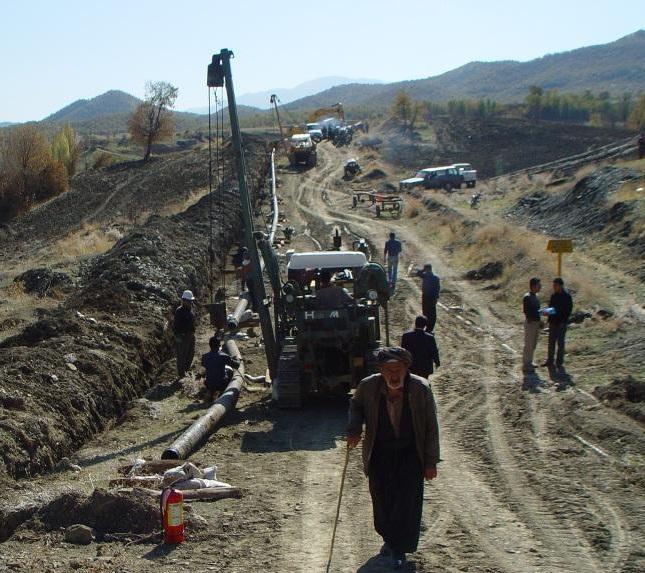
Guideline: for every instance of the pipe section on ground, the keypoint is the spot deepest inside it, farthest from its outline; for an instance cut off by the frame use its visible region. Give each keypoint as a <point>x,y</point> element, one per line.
<point>195,436</point>
<point>233,319</point>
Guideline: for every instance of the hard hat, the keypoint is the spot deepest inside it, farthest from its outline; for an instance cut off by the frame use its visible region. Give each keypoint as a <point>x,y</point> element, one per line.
<point>187,295</point>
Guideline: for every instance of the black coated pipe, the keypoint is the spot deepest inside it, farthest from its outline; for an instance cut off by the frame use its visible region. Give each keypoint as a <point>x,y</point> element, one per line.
<point>195,436</point>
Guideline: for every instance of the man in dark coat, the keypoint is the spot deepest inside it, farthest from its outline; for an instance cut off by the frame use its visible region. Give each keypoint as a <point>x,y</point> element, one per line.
<point>430,289</point>
<point>183,327</point>
<point>560,307</point>
<point>215,363</point>
<point>400,447</point>
<point>423,347</point>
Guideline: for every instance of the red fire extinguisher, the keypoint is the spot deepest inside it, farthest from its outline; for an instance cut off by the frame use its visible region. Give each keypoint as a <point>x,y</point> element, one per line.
<point>172,515</point>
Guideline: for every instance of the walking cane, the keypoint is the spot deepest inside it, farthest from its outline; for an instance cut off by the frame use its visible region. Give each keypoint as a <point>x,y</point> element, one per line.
<point>340,497</point>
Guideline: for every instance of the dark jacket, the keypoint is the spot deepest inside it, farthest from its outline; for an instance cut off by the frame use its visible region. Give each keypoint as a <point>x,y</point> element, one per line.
<point>215,363</point>
<point>430,285</point>
<point>393,247</point>
<point>423,347</point>
<point>531,307</point>
<point>364,408</point>
<point>563,305</point>
<point>184,321</point>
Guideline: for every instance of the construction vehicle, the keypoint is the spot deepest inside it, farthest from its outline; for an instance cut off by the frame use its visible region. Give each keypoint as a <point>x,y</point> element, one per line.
<point>351,169</point>
<point>302,149</point>
<point>336,108</point>
<point>309,349</point>
<point>328,350</point>
<point>298,145</point>
<point>331,124</point>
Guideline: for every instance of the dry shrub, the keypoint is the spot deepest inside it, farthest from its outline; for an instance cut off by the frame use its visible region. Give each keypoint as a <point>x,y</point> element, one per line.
<point>491,234</point>
<point>180,206</point>
<point>90,240</point>
<point>103,159</point>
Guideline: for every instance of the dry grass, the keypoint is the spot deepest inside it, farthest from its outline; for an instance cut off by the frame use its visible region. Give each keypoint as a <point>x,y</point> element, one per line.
<point>88,241</point>
<point>523,254</point>
<point>180,206</point>
<point>18,307</point>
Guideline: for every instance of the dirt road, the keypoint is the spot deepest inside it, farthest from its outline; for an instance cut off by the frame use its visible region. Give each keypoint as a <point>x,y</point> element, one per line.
<point>522,487</point>
<point>530,482</point>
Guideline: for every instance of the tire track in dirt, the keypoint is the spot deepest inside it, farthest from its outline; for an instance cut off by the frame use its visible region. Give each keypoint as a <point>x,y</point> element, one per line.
<point>485,508</point>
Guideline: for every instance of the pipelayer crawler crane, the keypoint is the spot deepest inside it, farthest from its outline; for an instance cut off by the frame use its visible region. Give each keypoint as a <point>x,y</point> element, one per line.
<point>310,348</point>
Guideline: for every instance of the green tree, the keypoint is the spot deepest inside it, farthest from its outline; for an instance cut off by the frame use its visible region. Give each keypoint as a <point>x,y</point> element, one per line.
<point>66,148</point>
<point>637,116</point>
<point>152,120</point>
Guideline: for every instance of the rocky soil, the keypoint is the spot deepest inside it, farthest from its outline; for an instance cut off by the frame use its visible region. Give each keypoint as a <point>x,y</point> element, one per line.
<point>540,473</point>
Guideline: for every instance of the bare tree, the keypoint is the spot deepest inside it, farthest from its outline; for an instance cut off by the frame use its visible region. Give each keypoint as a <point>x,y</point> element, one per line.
<point>27,154</point>
<point>152,120</point>
<point>405,111</point>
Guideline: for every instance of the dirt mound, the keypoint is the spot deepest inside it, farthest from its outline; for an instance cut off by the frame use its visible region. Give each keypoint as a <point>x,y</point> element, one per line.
<point>374,174</point>
<point>103,347</point>
<point>41,281</point>
<point>486,272</point>
<point>626,395</point>
<point>591,213</point>
<point>104,511</point>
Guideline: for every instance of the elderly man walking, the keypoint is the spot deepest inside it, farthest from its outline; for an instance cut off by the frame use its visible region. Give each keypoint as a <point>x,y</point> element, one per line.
<point>400,448</point>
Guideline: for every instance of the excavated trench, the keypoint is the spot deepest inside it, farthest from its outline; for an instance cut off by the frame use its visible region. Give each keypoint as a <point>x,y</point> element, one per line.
<point>65,377</point>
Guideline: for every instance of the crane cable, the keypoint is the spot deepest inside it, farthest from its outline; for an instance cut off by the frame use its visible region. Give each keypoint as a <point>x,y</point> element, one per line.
<point>211,248</point>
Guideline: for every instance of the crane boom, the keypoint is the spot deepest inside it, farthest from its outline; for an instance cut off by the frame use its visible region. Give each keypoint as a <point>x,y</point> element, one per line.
<point>219,75</point>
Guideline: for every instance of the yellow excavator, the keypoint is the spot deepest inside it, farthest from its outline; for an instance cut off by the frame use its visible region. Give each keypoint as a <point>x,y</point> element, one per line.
<point>317,114</point>
<point>297,143</point>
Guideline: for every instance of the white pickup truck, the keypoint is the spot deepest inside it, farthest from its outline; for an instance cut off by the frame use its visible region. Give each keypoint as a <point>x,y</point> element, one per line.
<point>468,174</point>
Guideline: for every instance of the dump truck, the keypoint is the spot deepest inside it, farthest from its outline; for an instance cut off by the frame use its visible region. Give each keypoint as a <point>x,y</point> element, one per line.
<point>302,150</point>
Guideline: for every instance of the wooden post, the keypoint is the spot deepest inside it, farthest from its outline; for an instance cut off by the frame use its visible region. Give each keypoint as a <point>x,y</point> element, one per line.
<point>560,246</point>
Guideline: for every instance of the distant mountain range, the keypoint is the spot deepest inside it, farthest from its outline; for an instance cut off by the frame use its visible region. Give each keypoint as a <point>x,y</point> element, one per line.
<point>111,102</point>
<point>286,95</point>
<point>616,67</point>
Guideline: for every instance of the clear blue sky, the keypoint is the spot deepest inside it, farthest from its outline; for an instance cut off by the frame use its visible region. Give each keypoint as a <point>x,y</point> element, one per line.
<point>55,52</point>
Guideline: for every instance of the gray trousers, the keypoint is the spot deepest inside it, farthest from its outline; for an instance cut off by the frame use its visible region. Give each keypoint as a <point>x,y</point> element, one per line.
<point>531,333</point>
<point>185,353</point>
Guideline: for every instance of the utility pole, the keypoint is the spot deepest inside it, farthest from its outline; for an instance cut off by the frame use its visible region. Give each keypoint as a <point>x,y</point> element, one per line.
<point>219,75</point>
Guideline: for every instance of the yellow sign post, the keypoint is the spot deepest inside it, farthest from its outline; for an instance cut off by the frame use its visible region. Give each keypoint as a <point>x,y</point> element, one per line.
<point>560,246</point>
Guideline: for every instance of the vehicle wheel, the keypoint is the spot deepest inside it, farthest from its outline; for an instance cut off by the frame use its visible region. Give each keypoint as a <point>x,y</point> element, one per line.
<point>472,184</point>
<point>447,186</point>
<point>378,211</point>
<point>354,202</point>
